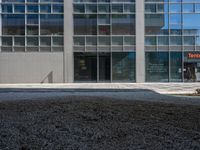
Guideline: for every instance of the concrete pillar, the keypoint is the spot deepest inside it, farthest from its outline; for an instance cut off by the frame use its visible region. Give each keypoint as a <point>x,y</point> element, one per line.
<point>0,25</point>
<point>68,42</point>
<point>140,53</point>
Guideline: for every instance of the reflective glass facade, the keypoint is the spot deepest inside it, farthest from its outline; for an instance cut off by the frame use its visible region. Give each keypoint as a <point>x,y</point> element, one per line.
<point>104,32</point>
<point>171,31</point>
<point>104,40</point>
<point>32,25</point>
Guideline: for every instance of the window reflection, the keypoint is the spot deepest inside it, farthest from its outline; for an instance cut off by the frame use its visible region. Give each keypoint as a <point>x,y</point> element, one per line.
<point>123,67</point>
<point>25,21</point>
<point>13,24</point>
<point>180,22</point>
<point>85,67</point>
<point>157,66</point>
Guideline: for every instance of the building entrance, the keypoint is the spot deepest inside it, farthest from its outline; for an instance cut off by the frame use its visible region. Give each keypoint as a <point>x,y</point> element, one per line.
<point>191,72</point>
<point>104,67</point>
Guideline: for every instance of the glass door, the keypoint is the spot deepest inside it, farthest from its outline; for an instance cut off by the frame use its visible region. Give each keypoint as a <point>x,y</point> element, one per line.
<point>191,72</point>
<point>104,67</point>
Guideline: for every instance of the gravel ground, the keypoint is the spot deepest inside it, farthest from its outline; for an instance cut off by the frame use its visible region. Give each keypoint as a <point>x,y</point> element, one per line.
<point>97,123</point>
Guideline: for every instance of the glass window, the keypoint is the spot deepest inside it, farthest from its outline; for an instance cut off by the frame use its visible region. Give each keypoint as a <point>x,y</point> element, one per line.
<point>156,24</point>
<point>104,30</point>
<point>157,66</point>
<point>103,8</point>
<point>150,40</point>
<point>24,20</point>
<point>188,7</point>
<point>123,24</point>
<point>79,41</point>
<point>176,40</point>
<point>32,41</point>
<point>85,24</point>
<point>175,19</point>
<point>19,8</point>
<point>32,30</point>
<point>32,8</point>
<point>58,41</point>
<point>58,8</point>
<point>85,67</point>
<point>45,41</point>
<point>117,41</point>
<point>191,21</point>
<point>175,66</point>
<point>7,41</point>
<point>150,8</point>
<point>7,8</point>
<point>117,8</point>
<point>45,8</point>
<point>79,8</point>
<point>197,41</point>
<point>51,24</point>
<point>32,19</point>
<point>103,19</point>
<point>123,67</point>
<point>91,8</point>
<point>163,40</point>
<point>129,40</point>
<point>19,41</point>
<point>189,40</point>
<point>104,41</point>
<point>175,8</point>
<point>91,41</point>
<point>197,7</point>
<point>13,24</point>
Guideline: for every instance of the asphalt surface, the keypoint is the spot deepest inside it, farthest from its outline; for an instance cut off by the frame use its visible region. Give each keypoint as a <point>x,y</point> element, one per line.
<point>13,94</point>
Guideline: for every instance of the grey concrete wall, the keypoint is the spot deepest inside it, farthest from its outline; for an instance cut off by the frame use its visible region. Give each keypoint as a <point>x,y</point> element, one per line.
<point>140,53</point>
<point>31,68</point>
<point>68,44</point>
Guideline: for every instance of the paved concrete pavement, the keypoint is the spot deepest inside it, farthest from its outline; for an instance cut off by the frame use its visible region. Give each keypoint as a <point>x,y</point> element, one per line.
<point>140,92</point>
<point>162,88</point>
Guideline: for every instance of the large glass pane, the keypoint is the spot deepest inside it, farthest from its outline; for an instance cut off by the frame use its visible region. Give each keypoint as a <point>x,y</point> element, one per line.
<point>157,66</point>
<point>25,20</point>
<point>7,8</point>
<point>51,24</point>
<point>19,41</point>
<point>123,24</point>
<point>123,67</point>
<point>13,24</point>
<point>7,41</point>
<point>104,67</point>
<point>156,24</point>
<point>85,67</point>
<point>85,24</point>
<point>176,66</point>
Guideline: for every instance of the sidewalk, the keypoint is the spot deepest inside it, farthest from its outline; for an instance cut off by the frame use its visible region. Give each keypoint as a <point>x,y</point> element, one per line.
<point>162,88</point>
<point>149,92</point>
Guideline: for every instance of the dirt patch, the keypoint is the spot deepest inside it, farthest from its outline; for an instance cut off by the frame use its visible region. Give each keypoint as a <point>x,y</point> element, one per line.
<point>98,123</point>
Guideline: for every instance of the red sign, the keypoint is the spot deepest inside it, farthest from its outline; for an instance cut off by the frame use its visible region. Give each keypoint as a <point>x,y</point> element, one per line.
<point>193,55</point>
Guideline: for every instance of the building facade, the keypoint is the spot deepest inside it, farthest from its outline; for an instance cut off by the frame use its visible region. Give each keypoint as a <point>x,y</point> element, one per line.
<point>66,41</point>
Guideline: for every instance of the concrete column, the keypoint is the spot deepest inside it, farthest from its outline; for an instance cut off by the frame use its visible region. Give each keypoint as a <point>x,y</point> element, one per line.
<point>140,53</point>
<point>68,42</point>
<point>0,25</point>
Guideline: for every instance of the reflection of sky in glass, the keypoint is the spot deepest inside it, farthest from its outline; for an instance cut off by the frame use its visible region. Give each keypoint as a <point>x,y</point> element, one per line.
<point>176,20</point>
<point>191,21</point>
<point>166,22</point>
